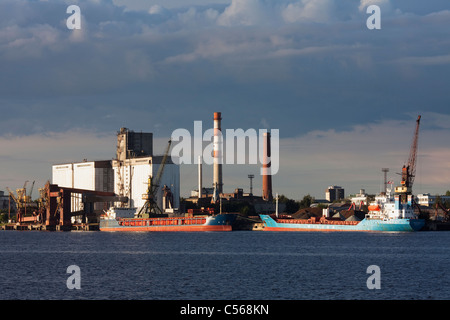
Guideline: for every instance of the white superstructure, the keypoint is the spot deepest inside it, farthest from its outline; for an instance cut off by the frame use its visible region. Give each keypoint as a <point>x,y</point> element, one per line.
<point>392,207</point>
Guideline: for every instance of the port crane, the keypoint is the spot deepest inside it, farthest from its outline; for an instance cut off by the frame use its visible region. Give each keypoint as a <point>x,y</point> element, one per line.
<point>150,206</point>
<point>22,200</point>
<point>409,169</point>
<point>15,199</point>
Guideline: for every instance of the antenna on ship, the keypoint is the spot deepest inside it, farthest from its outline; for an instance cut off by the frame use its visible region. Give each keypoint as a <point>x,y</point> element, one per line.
<point>276,205</point>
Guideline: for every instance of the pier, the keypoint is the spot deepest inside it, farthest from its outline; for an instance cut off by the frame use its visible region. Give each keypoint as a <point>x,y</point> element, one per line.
<point>43,227</point>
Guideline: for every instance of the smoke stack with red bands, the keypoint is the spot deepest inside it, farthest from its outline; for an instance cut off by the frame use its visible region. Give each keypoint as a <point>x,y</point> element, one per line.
<point>267,177</point>
<point>218,152</point>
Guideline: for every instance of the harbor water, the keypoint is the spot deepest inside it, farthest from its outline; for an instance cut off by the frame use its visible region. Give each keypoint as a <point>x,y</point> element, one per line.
<point>240,265</point>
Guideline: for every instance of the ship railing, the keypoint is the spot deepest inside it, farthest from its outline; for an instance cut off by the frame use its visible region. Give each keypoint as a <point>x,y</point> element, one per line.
<point>149,222</point>
<point>314,221</point>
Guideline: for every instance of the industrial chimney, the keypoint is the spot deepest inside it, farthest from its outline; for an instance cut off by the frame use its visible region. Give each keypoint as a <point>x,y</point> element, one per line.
<point>217,182</point>
<point>267,176</point>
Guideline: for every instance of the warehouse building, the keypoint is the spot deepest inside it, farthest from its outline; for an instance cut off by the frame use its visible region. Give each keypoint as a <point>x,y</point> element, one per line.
<point>86,175</point>
<point>127,175</point>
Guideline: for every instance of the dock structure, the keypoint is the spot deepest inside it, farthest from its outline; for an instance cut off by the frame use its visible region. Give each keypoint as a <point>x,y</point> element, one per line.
<point>43,227</point>
<point>57,209</point>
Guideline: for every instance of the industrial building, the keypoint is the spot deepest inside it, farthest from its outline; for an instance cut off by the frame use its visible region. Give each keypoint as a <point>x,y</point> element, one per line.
<point>127,175</point>
<point>131,178</point>
<point>92,175</point>
<point>333,193</point>
<point>132,144</point>
<point>4,201</point>
<point>428,200</point>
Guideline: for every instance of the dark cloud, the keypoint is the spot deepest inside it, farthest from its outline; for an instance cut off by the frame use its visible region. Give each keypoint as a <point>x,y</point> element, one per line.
<point>301,65</point>
<point>310,68</point>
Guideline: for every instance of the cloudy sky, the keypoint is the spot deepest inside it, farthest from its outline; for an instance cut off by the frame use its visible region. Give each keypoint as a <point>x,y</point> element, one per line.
<point>344,98</point>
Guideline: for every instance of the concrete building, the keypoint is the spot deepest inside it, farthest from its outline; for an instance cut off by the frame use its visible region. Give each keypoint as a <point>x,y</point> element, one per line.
<point>87,175</point>
<point>132,144</point>
<point>426,199</point>
<point>333,193</point>
<point>135,164</point>
<point>131,180</point>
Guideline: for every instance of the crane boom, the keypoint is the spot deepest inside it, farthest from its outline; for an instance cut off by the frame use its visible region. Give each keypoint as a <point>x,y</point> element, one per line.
<point>11,194</point>
<point>409,169</point>
<point>31,190</point>
<point>161,167</point>
<point>150,205</point>
<point>413,153</point>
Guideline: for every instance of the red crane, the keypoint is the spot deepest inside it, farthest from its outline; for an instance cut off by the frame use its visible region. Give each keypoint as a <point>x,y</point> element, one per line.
<point>409,169</point>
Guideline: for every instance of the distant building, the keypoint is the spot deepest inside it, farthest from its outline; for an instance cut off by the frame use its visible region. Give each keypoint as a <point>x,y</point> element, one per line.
<point>206,192</point>
<point>359,198</point>
<point>260,205</point>
<point>4,201</point>
<point>333,193</point>
<point>426,199</point>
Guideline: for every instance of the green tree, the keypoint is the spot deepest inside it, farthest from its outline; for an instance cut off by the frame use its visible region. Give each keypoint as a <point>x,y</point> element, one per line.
<point>247,210</point>
<point>292,206</point>
<point>3,217</point>
<point>306,201</point>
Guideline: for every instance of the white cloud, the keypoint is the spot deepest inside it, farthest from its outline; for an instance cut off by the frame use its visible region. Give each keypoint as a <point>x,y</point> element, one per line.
<point>310,11</point>
<point>425,61</point>
<point>244,12</point>
<point>383,4</point>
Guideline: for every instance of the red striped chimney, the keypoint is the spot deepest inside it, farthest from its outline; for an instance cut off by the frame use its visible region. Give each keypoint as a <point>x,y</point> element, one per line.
<point>267,177</point>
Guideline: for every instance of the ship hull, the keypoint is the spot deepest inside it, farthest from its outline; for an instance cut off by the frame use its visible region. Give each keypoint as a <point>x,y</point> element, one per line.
<point>366,225</point>
<point>220,222</point>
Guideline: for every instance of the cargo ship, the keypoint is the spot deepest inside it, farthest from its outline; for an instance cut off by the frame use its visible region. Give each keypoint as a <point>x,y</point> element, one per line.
<point>122,219</point>
<point>386,214</point>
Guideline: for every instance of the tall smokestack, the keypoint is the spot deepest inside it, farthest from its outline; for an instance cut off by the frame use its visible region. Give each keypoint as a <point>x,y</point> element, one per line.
<point>267,176</point>
<point>218,152</point>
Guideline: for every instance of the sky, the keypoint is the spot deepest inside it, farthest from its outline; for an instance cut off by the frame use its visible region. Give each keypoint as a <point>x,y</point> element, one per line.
<point>343,97</point>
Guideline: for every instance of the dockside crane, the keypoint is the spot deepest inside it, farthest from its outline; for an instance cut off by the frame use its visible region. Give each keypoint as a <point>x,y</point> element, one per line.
<point>31,191</point>
<point>16,200</point>
<point>151,206</point>
<point>409,169</point>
